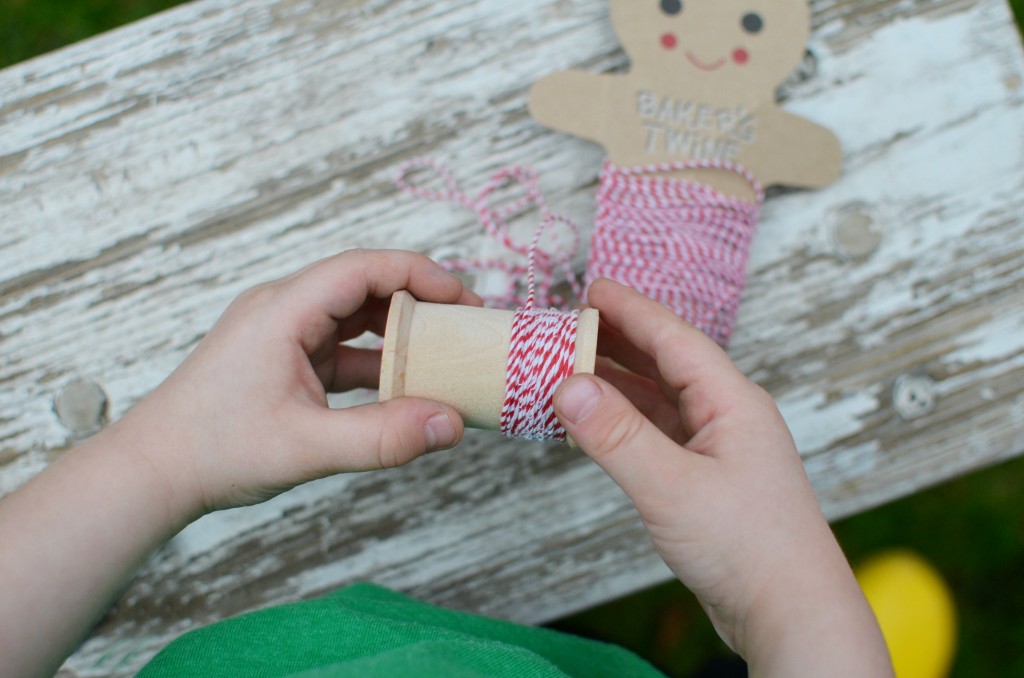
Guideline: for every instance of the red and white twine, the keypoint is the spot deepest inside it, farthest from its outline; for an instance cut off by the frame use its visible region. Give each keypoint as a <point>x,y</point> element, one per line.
<point>679,242</point>
<point>541,356</point>
<point>542,348</point>
<point>543,267</point>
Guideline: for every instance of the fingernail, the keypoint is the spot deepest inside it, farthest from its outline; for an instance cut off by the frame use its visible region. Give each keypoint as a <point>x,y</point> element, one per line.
<point>577,398</point>
<point>439,432</point>
<point>443,274</point>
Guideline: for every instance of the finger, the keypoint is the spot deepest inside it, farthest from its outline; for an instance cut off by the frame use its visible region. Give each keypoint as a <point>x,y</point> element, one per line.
<point>469,298</point>
<point>331,290</point>
<point>371,317</point>
<point>638,456</point>
<point>340,284</point>
<point>680,350</point>
<point>685,356</point>
<point>612,343</point>
<point>322,346</point>
<point>647,397</point>
<point>380,435</point>
<point>351,368</point>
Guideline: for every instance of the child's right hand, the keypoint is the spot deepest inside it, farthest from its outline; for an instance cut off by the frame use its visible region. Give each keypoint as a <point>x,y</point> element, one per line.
<point>714,472</point>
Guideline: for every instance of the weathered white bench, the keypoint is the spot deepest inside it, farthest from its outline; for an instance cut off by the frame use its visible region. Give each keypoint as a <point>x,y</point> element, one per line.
<point>149,175</point>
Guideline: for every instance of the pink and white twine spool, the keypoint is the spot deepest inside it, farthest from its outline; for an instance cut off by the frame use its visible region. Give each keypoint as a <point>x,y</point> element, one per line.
<point>680,242</point>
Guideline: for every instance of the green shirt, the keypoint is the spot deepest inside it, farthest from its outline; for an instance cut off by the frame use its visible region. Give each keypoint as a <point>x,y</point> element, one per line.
<point>364,630</point>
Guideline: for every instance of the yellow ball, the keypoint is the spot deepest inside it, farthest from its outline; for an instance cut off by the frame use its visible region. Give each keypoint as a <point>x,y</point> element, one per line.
<point>915,610</point>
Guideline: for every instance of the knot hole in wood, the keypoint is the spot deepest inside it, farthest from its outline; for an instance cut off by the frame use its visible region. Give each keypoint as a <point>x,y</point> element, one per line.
<point>855,231</point>
<point>914,396</point>
<point>82,407</point>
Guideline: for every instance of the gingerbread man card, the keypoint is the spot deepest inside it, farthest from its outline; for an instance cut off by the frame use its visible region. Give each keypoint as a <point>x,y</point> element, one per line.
<point>701,86</point>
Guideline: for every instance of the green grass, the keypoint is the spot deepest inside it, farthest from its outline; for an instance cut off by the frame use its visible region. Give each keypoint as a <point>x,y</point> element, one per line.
<point>971,529</point>
<point>29,28</point>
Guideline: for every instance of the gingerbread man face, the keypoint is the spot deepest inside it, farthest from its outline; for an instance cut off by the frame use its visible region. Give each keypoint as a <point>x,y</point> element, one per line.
<point>701,87</point>
<point>750,45</point>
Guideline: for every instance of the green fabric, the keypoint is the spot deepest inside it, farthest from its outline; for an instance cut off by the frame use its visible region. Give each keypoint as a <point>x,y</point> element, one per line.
<point>364,630</point>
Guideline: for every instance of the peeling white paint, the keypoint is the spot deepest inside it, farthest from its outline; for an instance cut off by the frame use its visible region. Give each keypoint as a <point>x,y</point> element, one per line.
<point>996,341</point>
<point>817,423</point>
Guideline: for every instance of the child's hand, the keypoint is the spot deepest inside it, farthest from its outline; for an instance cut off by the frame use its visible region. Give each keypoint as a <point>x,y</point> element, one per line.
<point>714,472</point>
<point>245,417</point>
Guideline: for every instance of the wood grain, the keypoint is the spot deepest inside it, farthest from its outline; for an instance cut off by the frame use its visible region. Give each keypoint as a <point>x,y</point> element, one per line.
<point>149,175</point>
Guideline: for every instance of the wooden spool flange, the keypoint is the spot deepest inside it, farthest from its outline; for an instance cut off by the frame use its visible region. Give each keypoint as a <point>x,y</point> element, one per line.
<point>458,355</point>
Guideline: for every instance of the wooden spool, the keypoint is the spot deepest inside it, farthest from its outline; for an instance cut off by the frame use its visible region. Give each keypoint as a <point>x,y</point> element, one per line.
<point>457,355</point>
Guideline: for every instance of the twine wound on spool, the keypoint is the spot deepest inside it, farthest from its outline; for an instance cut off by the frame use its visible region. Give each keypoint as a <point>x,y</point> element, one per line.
<point>677,241</point>
<point>499,369</point>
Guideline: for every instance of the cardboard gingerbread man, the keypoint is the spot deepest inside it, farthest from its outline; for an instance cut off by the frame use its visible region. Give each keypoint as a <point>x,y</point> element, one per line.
<point>700,91</point>
<point>701,86</point>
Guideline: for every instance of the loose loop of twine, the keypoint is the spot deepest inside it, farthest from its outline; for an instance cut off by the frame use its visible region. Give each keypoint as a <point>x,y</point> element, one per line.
<point>542,349</point>
<point>679,242</point>
<point>543,266</point>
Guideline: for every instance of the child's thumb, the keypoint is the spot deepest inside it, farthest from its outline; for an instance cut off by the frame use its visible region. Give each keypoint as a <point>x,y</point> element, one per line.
<point>388,434</point>
<point>612,432</point>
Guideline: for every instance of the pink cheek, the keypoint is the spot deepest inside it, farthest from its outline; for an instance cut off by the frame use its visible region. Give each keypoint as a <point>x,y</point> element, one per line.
<point>740,56</point>
<point>668,41</point>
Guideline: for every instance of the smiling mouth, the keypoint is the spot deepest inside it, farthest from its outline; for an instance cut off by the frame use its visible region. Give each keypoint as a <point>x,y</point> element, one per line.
<point>714,66</point>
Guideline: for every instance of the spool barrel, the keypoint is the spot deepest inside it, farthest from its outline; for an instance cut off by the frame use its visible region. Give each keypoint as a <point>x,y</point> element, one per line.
<point>458,355</point>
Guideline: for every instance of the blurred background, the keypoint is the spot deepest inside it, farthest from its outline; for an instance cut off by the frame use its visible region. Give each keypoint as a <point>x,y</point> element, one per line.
<point>970,530</point>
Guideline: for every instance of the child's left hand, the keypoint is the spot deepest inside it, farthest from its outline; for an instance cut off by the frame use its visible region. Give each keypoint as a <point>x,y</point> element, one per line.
<point>245,417</point>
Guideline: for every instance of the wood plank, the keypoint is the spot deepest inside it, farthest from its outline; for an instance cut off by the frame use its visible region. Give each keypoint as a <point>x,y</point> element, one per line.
<point>151,174</point>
